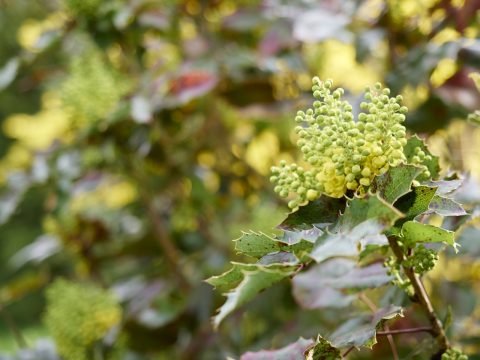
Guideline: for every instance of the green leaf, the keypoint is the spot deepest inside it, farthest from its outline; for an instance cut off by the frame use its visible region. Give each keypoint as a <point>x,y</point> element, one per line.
<point>395,182</point>
<point>415,232</point>
<point>416,202</point>
<point>409,151</point>
<point>254,278</point>
<point>228,280</point>
<point>256,244</point>
<point>371,206</point>
<point>445,187</point>
<point>319,213</point>
<point>361,331</point>
<point>349,243</point>
<point>295,350</point>
<point>446,207</point>
<point>362,224</point>
<point>325,284</point>
<point>323,350</point>
<point>295,237</point>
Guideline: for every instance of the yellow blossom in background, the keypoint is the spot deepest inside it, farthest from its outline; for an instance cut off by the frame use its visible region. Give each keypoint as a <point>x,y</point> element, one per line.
<point>445,69</point>
<point>110,193</point>
<point>338,62</point>
<point>78,315</point>
<point>262,151</point>
<point>29,33</point>
<point>39,131</point>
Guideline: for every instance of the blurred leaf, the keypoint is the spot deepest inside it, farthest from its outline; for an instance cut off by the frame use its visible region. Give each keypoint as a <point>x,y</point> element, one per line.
<point>325,284</point>
<point>295,350</point>
<point>8,72</point>
<point>42,248</point>
<point>445,187</point>
<point>361,331</point>
<point>141,109</point>
<point>320,24</point>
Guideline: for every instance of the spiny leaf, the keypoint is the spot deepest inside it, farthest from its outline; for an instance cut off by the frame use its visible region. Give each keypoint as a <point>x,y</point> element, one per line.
<point>254,278</point>
<point>415,232</point>
<point>416,202</point>
<point>395,182</point>
<point>361,331</point>
<point>256,244</point>
<point>444,187</point>
<point>446,207</point>
<point>295,237</point>
<point>295,350</point>
<point>319,213</point>
<point>409,151</point>
<point>324,284</point>
<point>369,207</point>
<point>349,243</point>
<point>323,350</point>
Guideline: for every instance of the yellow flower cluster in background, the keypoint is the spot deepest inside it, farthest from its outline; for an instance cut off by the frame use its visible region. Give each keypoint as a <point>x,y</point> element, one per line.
<point>78,315</point>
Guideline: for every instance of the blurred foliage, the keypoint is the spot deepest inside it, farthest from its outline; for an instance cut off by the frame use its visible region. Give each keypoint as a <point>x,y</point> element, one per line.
<point>137,137</point>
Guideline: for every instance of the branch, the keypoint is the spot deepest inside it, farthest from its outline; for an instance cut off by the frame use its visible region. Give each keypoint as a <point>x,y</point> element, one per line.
<point>421,296</point>
<point>428,329</point>
<point>170,251</point>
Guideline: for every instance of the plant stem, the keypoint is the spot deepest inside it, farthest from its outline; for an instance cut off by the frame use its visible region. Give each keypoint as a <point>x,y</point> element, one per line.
<point>374,308</point>
<point>421,296</point>
<point>20,340</point>
<point>405,331</point>
<point>348,351</point>
<point>170,251</point>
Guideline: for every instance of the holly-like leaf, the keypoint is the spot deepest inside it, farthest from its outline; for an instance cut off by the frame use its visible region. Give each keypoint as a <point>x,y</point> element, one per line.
<point>409,151</point>
<point>319,213</point>
<point>323,350</point>
<point>416,202</point>
<point>446,207</point>
<point>295,237</point>
<point>395,182</point>
<point>349,243</point>
<point>254,278</point>
<point>445,187</point>
<point>361,331</point>
<point>415,232</point>
<point>256,244</point>
<point>295,350</point>
<point>280,257</point>
<point>371,206</point>
<point>324,285</point>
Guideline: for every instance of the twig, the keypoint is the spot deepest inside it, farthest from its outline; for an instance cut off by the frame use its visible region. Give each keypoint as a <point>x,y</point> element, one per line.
<point>20,340</point>
<point>390,339</point>
<point>348,351</point>
<point>170,251</point>
<point>421,296</point>
<point>405,331</point>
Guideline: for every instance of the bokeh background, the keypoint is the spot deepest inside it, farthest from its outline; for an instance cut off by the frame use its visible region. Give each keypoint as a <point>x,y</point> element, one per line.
<point>136,138</point>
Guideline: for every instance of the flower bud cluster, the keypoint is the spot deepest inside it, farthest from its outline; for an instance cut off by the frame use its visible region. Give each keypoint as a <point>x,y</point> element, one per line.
<point>78,315</point>
<point>419,159</point>
<point>394,269</point>
<point>422,260</point>
<point>454,354</point>
<point>343,154</point>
